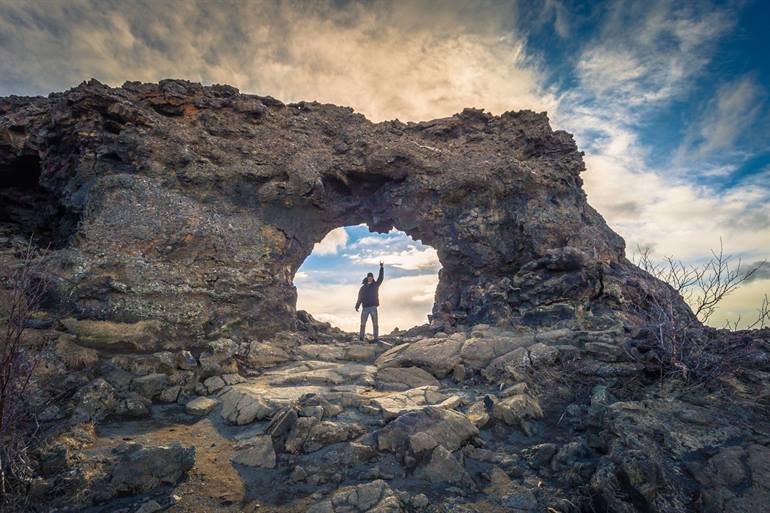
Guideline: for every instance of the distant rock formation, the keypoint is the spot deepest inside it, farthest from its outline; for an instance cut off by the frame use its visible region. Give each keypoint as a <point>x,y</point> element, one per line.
<point>195,205</point>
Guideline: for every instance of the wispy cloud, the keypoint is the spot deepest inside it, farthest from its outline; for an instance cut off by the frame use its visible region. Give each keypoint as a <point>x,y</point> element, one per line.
<point>736,106</point>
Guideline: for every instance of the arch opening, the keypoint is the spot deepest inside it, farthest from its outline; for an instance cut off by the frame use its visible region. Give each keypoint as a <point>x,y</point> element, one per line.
<point>328,280</point>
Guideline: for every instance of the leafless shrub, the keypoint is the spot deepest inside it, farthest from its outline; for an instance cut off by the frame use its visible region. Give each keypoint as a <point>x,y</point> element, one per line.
<point>702,286</point>
<point>18,358</point>
<point>680,345</point>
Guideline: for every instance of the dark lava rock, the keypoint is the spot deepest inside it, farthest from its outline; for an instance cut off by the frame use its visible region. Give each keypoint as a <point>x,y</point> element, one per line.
<point>163,189</point>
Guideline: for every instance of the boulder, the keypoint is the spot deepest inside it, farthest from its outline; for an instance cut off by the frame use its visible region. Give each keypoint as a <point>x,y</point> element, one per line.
<point>242,406</point>
<point>200,406</point>
<point>170,394</point>
<point>310,434</point>
<point>735,480</point>
<point>603,351</point>
<point>397,403</point>
<point>139,469</point>
<point>478,414</point>
<point>443,467</point>
<point>134,406</point>
<point>262,355</point>
<point>219,358</point>
<point>186,361</point>
<point>541,355</point>
<point>449,428</point>
<point>149,386</point>
<point>497,367</point>
<point>256,451</point>
<point>374,497</point>
<point>436,355</point>
<point>518,410</point>
<point>94,402</point>
<point>404,378</point>
<point>165,361</point>
<point>213,384</point>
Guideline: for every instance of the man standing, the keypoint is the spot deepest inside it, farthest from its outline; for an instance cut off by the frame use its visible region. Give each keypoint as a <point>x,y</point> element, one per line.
<point>368,297</point>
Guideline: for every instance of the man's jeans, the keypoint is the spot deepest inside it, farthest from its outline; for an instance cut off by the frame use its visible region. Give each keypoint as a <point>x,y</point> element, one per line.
<point>367,311</point>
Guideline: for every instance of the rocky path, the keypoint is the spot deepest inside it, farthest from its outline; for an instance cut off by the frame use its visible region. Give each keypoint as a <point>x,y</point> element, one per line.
<point>480,420</point>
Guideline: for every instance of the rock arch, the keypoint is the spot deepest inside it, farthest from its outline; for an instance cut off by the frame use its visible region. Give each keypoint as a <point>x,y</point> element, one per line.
<point>196,205</point>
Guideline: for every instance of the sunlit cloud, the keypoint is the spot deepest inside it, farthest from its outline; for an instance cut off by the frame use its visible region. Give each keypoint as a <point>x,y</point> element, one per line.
<point>332,243</point>
<point>404,302</point>
<point>407,60</point>
<point>411,258</point>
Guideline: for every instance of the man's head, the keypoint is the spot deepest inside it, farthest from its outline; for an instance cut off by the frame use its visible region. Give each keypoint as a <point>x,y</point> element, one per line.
<point>369,277</point>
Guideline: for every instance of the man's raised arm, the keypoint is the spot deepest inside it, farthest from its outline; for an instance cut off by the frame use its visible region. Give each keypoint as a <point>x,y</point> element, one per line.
<point>381,275</point>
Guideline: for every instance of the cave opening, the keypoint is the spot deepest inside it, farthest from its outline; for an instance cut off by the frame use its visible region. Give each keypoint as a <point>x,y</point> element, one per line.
<point>28,210</point>
<point>328,280</point>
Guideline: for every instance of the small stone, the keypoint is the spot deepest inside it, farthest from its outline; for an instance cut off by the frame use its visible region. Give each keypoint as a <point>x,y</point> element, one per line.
<point>233,379</point>
<point>478,414</point>
<point>185,360</point>
<point>518,388</point>
<point>450,403</point>
<point>298,474</point>
<point>133,407</point>
<point>458,373</point>
<point>200,406</point>
<point>518,410</point>
<point>166,361</point>
<point>420,501</point>
<point>170,394</point>
<point>149,386</point>
<point>213,384</point>
<point>542,355</point>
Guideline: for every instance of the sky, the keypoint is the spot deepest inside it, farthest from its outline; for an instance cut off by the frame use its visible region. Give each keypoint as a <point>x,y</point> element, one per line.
<point>669,100</point>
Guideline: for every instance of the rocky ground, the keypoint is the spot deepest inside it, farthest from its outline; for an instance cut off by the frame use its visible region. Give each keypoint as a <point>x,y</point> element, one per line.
<point>481,419</point>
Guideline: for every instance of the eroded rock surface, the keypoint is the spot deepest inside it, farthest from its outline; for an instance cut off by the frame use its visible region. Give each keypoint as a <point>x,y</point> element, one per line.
<point>179,215</point>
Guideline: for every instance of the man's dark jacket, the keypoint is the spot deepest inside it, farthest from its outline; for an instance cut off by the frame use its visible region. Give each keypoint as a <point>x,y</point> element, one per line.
<point>368,293</point>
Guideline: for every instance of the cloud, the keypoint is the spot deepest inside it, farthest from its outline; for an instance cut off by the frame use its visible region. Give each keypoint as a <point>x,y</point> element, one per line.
<point>647,52</point>
<point>736,106</point>
<point>332,243</point>
<point>742,304</point>
<point>376,241</point>
<point>759,270</point>
<point>410,60</point>
<point>410,259</point>
<point>404,302</point>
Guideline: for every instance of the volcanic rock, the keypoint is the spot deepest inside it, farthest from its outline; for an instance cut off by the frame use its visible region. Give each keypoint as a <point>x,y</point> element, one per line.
<point>163,189</point>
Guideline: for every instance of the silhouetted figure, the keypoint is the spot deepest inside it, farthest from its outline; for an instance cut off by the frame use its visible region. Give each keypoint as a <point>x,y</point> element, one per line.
<point>368,297</point>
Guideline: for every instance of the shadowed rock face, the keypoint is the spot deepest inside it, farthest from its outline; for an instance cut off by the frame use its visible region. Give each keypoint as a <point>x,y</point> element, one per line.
<point>196,205</point>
